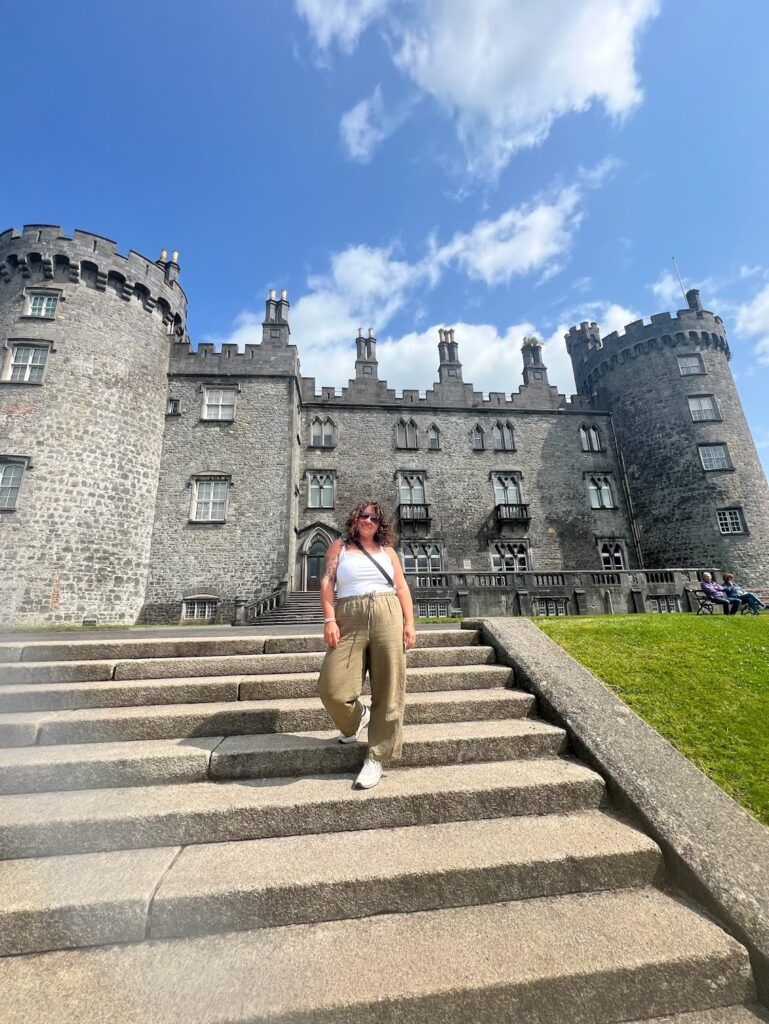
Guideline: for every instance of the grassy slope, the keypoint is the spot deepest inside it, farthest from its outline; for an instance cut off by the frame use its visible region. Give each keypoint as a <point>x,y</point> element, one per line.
<point>701,682</point>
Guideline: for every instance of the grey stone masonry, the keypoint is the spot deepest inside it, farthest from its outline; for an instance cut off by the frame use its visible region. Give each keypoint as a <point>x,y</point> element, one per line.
<point>88,432</point>
<point>676,413</point>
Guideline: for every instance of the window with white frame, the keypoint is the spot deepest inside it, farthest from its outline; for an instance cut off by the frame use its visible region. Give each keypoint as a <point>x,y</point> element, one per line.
<point>322,432</point>
<point>730,520</point>
<point>433,609</point>
<point>507,490</point>
<point>714,456</point>
<point>600,491</point>
<point>433,438</point>
<point>550,606</point>
<point>320,490</point>
<point>203,608</point>
<point>406,435</point>
<point>219,404</point>
<point>590,439</point>
<point>510,557</point>
<point>27,363</point>
<point>664,603</point>
<point>690,365</point>
<point>612,555</point>
<point>11,473</point>
<point>478,438</point>
<point>703,407</point>
<point>504,438</point>
<point>412,488</point>
<point>43,305</point>
<point>209,500</point>
<point>422,558</point>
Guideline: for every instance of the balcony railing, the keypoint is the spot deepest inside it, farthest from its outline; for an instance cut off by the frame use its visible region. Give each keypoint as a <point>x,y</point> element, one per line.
<point>516,513</point>
<point>414,513</point>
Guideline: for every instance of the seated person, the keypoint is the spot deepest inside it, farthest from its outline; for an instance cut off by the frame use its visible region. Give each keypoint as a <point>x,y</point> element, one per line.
<point>753,601</point>
<point>717,595</point>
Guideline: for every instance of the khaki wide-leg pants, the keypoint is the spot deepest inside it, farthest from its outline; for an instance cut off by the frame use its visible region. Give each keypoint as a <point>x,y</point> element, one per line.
<point>370,638</point>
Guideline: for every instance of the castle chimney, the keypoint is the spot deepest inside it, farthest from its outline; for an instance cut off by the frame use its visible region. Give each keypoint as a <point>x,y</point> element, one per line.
<point>534,370</point>
<point>366,365</point>
<point>693,298</point>
<point>163,256</point>
<point>172,266</point>
<point>449,366</point>
<point>275,329</point>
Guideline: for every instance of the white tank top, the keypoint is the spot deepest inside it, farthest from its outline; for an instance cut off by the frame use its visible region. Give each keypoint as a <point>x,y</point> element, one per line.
<point>355,574</point>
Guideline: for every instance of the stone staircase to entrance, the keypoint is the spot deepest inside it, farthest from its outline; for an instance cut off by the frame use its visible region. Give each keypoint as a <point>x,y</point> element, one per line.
<point>181,843</point>
<point>301,608</point>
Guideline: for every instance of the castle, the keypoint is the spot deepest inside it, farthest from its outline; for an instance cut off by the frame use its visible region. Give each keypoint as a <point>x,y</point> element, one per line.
<point>144,481</point>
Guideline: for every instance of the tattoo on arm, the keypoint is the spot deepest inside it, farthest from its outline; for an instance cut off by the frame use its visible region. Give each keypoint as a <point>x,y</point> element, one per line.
<point>330,565</point>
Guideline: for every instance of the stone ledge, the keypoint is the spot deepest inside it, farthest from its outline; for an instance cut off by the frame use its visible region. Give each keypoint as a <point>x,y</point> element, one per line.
<point>713,848</point>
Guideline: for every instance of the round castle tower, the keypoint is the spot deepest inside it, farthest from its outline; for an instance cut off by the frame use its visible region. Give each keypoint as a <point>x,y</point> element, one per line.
<point>698,490</point>
<point>86,335</point>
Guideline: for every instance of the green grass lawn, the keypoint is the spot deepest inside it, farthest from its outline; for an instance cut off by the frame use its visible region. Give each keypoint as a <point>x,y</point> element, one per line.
<point>702,682</point>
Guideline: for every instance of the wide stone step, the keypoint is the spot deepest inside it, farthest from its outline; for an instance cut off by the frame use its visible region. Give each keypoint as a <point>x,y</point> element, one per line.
<point>38,824</point>
<point>121,896</point>
<point>220,665</point>
<point>199,646</point>
<point>231,718</point>
<point>723,1015</point>
<point>192,690</point>
<point>575,959</point>
<point>271,755</point>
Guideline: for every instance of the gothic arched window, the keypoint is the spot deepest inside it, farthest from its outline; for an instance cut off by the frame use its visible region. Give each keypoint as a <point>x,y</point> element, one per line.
<point>322,432</point>
<point>504,439</point>
<point>599,489</point>
<point>433,438</point>
<point>478,438</point>
<point>406,434</point>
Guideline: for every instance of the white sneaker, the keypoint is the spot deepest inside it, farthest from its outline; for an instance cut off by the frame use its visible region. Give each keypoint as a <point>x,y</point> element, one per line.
<point>370,774</point>
<point>365,714</point>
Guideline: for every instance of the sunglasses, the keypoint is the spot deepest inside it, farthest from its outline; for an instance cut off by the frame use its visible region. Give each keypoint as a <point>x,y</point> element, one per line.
<point>371,516</point>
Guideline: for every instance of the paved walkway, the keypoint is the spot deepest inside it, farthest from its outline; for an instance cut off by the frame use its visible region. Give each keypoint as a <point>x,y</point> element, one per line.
<point>137,632</point>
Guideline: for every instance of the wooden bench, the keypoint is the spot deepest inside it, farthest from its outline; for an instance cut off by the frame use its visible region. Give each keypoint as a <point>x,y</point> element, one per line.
<point>705,605</point>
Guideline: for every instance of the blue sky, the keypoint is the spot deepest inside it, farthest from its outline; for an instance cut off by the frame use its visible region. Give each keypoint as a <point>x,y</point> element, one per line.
<point>500,166</point>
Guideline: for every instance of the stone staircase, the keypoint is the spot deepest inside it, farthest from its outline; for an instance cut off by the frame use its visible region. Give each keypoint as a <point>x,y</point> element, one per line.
<point>181,843</point>
<point>302,608</point>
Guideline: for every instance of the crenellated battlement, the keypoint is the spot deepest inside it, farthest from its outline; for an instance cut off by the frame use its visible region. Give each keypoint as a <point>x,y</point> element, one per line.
<point>43,253</point>
<point>228,360</point>
<point>593,356</point>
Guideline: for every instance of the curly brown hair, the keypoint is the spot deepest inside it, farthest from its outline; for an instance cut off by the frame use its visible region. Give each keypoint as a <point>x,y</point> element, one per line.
<point>385,535</point>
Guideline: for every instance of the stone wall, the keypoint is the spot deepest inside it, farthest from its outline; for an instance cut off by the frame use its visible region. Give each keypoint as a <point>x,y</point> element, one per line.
<point>90,434</point>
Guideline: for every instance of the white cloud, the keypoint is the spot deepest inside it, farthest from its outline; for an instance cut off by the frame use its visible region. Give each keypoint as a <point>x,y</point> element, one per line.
<point>507,70</point>
<point>339,21</point>
<point>667,290</point>
<point>523,239</point>
<point>753,321</point>
<point>369,123</point>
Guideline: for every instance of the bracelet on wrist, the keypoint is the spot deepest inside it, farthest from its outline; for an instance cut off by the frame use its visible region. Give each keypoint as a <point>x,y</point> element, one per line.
<point>332,619</point>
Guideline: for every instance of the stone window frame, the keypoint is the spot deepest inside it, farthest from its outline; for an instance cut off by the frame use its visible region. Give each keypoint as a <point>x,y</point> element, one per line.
<point>31,293</point>
<point>323,421</point>
<point>22,462</point>
<point>330,474</point>
<point>614,546</point>
<point>218,386</point>
<point>11,345</point>
<point>728,464</point>
<point>500,438</point>
<point>406,432</point>
<point>432,551</point>
<point>701,371</point>
<point>517,477</point>
<point>590,438</point>
<point>200,599</point>
<point>519,550</point>
<point>597,485</point>
<point>173,406</point>
<point>478,438</point>
<point>209,476</point>
<point>418,474</point>
<point>715,418</point>
<point>433,434</point>
<point>734,513</point>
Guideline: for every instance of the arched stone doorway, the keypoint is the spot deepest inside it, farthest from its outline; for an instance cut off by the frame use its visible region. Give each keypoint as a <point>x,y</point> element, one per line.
<point>313,562</point>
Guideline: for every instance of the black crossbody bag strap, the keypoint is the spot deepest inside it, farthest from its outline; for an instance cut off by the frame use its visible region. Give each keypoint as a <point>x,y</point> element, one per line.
<point>384,572</point>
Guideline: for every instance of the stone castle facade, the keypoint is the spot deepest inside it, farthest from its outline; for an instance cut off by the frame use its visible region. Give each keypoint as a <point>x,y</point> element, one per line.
<point>142,480</point>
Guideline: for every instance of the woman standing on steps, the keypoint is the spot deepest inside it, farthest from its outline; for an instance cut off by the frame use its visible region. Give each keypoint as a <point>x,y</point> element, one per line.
<point>369,626</point>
